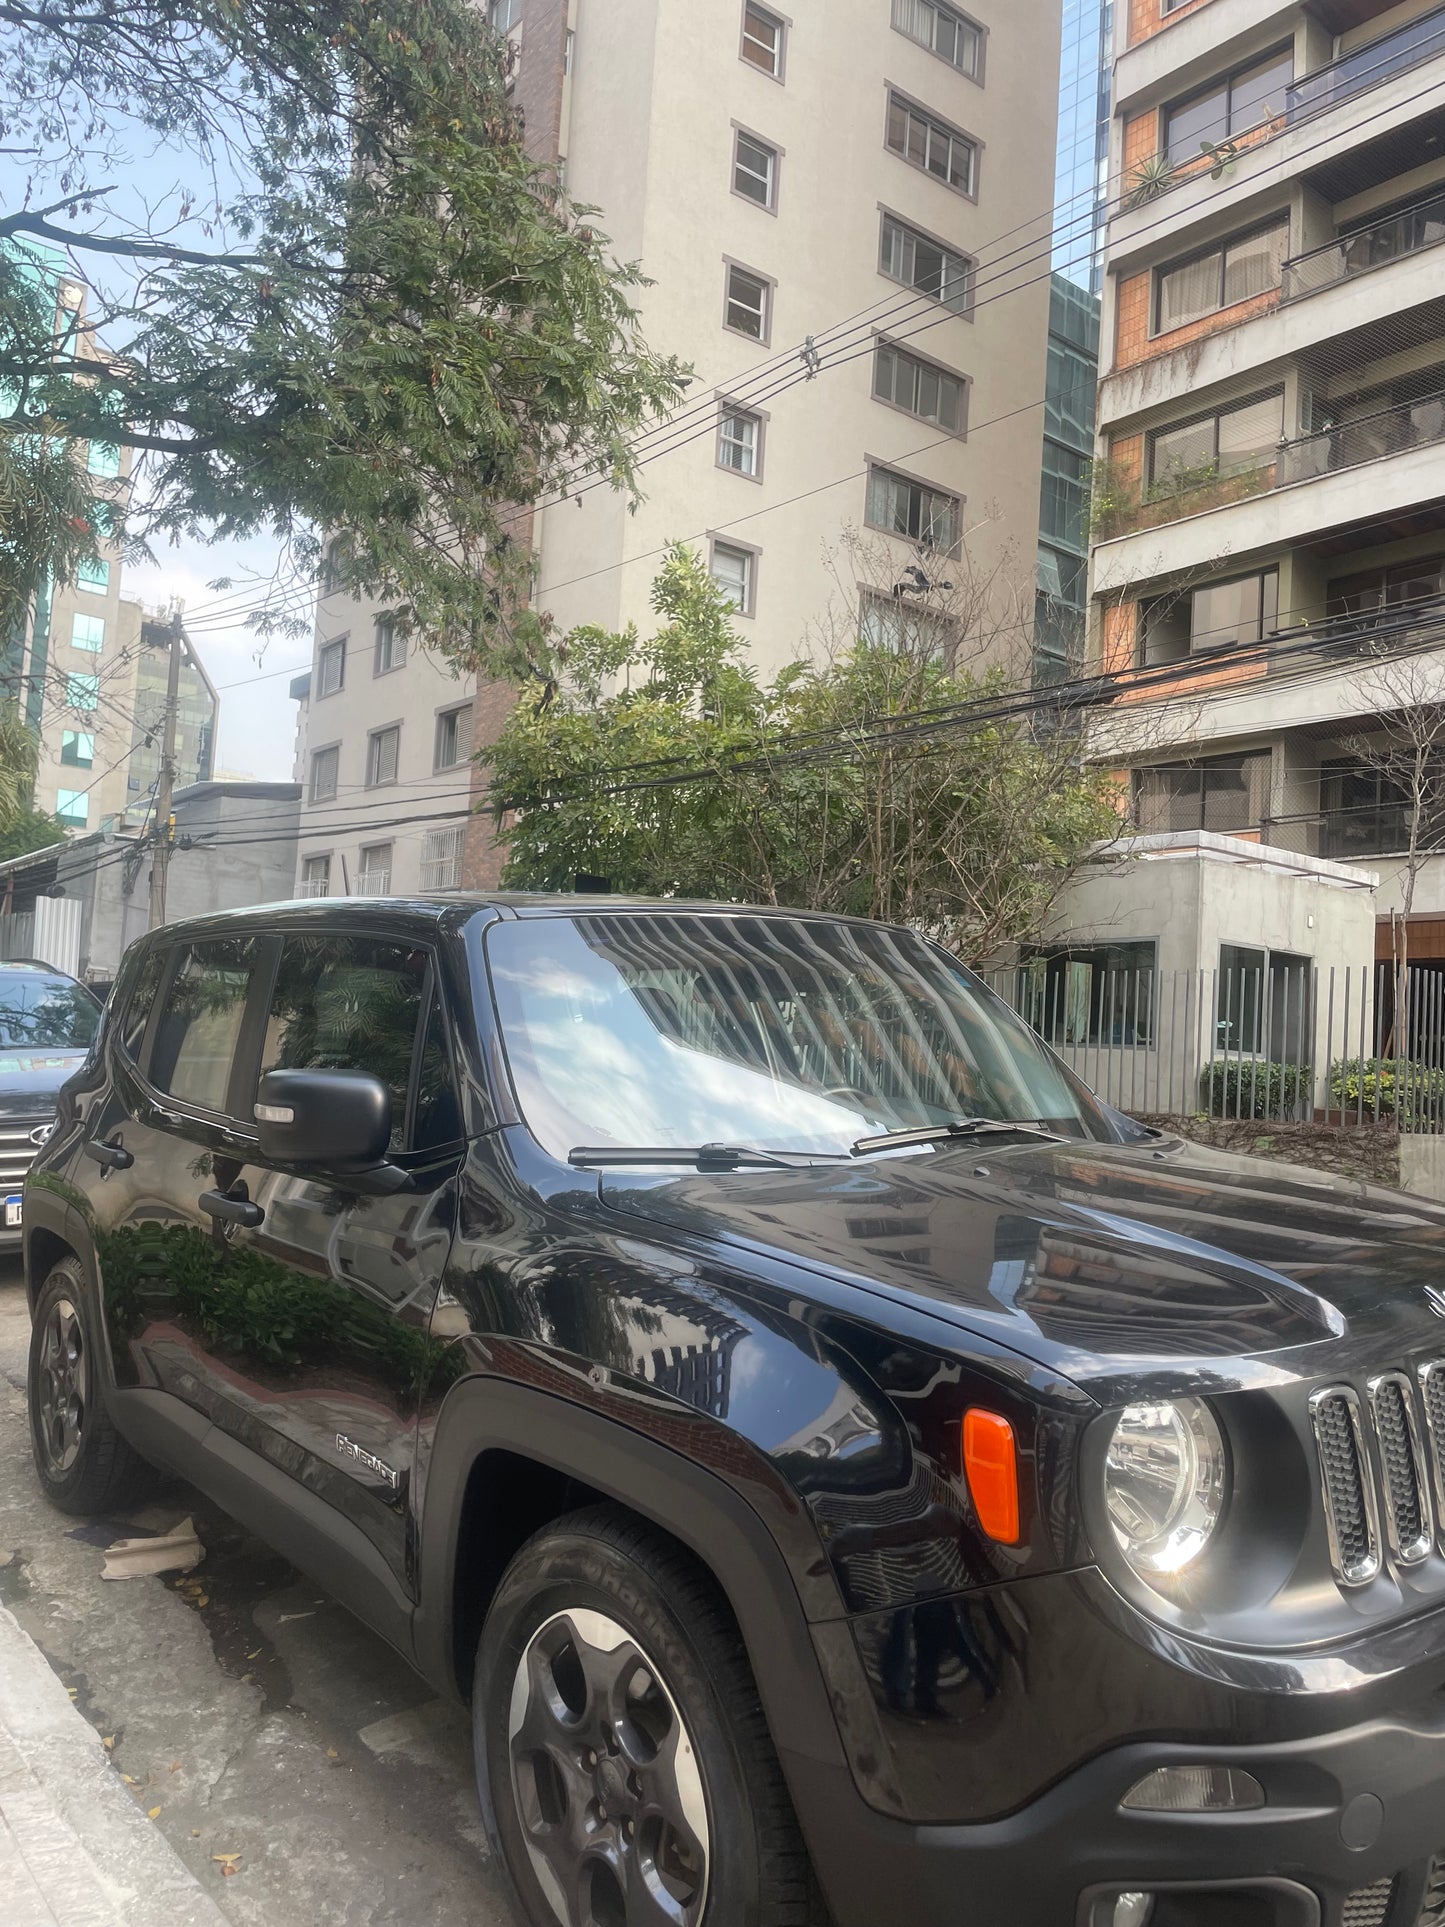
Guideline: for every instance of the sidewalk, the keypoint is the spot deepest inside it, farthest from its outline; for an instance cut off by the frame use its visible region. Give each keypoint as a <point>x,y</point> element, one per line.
<point>75,1848</point>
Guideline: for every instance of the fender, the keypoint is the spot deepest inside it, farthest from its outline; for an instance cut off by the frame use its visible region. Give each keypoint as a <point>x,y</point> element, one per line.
<point>484,1414</point>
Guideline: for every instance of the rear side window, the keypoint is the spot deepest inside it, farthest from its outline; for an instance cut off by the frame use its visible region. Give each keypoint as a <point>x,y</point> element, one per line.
<point>140,1002</point>
<point>351,1003</point>
<point>196,1037</point>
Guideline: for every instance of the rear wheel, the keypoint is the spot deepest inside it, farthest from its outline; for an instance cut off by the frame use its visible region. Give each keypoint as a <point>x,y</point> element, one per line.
<point>83,1463</point>
<point>625,1766</point>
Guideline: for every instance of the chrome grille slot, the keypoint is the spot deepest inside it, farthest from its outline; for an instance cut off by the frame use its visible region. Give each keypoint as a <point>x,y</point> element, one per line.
<point>1351,1518</point>
<point>1409,1524</point>
<point>1432,1907</point>
<point>1432,1394</point>
<point>17,1153</point>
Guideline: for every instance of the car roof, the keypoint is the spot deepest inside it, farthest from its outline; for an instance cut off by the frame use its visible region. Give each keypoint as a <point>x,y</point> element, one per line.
<point>33,967</point>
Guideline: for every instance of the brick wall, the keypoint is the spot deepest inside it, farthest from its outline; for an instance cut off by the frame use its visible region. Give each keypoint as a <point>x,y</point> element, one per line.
<point>1133,342</point>
<point>1121,637</point>
<point>538,94</point>
<point>1141,138</point>
<point>1147,17</point>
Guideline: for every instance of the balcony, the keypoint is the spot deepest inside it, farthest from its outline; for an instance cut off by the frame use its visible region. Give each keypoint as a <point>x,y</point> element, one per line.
<point>1355,73</point>
<point>315,887</point>
<point>1389,431</point>
<point>373,883</point>
<point>1365,249</point>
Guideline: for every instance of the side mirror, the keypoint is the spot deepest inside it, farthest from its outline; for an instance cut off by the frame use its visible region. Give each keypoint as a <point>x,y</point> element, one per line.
<point>329,1120</point>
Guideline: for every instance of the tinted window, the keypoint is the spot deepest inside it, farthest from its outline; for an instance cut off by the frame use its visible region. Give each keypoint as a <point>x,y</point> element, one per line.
<point>196,1037</point>
<point>45,1013</point>
<point>785,1034</point>
<point>140,1002</point>
<point>352,1004</point>
<point>438,1115</point>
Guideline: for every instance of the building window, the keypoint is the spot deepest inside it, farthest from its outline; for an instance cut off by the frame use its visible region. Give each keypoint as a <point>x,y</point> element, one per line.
<point>88,633</point>
<point>454,736</point>
<point>734,570</point>
<point>943,31</point>
<point>1226,108</point>
<point>331,667</point>
<point>892,622</point>
<point>441,859</point>
<point>82,692</point>
<point>503,15</point>
<point>374,873</point>
<point>1217,615</point>
<point>325,768</point>
<point>1405,585</point>
<point>1064,499</point>
<point>764,35</point>
<point>71,808</point>
<point>755,170</point>
<point>104,461</point>
<point>920,388</point>
<point>1235,272</point>
<point>77,748</point>
<point>390,648</point>
<point>383,746</point>
<point>93,574</point>
<point>931,144</point>
<point>1231,442</point>
<point>316,876</point>
<point>1223,795</point>
<point>900,506</point>
<point>1096,993</point>
<point>749,304</point>
<point>908,256</point>
<point>740,441</point>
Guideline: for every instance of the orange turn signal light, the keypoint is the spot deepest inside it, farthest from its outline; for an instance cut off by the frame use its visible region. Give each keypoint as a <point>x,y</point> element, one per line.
<point>990,1459</point>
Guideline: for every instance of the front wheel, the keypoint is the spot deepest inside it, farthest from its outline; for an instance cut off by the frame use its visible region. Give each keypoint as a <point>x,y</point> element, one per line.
<point>83,1463</point>
<point>624,1762</point>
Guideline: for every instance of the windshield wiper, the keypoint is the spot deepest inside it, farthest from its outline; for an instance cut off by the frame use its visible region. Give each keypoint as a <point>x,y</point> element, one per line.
<point>707,1157</point>
<point>956,1127</point>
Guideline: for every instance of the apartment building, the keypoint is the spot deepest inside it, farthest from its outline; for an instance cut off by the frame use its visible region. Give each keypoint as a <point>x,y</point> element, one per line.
<point>1268,560</point>
<point>834,172</point>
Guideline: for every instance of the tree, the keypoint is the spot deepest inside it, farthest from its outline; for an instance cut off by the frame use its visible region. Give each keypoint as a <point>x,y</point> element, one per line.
<point>362,317</point>
<point>17,767</point>
<point>875,780</point>
<point>28,830</point>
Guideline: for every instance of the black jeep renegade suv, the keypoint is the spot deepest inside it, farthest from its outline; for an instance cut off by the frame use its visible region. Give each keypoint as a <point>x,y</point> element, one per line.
<point>853,1475</point>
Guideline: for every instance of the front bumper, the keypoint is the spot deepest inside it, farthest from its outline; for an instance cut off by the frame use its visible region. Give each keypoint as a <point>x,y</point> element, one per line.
<point>1353,1828</point>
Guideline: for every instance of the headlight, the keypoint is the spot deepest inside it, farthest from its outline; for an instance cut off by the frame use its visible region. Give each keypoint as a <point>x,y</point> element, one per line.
<point>1167,1478</point>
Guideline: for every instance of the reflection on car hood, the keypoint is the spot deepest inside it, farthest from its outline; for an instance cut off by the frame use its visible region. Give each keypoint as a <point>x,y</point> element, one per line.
<point>1096,1258</point>
<point>30,1078</point>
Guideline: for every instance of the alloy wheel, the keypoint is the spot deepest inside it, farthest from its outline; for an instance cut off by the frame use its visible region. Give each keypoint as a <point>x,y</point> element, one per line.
<point>606,1780</point>
<point>62,1389</point>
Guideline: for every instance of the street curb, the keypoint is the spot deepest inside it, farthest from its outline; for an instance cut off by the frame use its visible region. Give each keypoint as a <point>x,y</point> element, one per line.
<point>66,1819</point>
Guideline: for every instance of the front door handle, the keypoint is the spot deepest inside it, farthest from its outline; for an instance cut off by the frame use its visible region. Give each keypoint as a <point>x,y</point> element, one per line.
<point>219,1204</point>
<point>113,1157</point>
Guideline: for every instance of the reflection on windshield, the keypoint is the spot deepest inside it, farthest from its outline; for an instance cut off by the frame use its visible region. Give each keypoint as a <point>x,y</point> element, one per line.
<point>798,1034</point>
<point>39,1013</point>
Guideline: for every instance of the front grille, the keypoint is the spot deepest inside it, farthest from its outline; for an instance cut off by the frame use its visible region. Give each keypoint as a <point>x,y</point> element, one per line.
<point>17,1153</point>
<point>1432,1907</point>
<point>1367,1906</point>
<point>1408,1519</point>
<point>1348,1489</point>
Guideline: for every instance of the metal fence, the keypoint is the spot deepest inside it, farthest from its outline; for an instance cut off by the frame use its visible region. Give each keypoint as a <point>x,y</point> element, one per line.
<point>1282,1040</point>
<point>17,937</point>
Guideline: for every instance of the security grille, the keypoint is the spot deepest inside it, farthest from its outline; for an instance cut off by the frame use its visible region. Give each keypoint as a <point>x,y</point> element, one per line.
<point>1350,1512</point>
<point>1367,1906</point>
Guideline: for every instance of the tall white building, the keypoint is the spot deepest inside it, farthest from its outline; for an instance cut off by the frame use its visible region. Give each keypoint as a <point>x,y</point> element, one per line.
<point>836,171</point>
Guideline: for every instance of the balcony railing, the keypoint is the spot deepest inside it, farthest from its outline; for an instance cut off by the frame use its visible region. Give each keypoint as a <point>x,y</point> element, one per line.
<point>315,887</point>
<point>1366,249</point>
<point>1388,431</point>
<point>373,883</point>
<point>1366,67</point>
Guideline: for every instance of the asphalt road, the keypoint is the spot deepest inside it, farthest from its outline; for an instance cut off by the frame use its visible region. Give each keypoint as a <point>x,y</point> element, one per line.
<point>254,1712</point>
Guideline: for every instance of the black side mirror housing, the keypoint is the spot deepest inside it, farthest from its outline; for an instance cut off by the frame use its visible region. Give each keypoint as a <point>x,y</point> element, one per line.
<point>333,1121</point>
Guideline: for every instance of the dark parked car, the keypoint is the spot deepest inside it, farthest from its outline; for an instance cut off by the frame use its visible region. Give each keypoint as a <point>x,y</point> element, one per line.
<point>47,1024</point>
<point>852,1474</point>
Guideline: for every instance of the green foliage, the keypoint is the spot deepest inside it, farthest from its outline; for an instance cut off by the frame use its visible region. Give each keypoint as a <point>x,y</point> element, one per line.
<point>1407,1093</point>
<point>1150,178</point>
<point>389,333</point>
<point>799,791</point>
<point>28,829</point>
<point>17,766</point>
<point>1235,1087</point>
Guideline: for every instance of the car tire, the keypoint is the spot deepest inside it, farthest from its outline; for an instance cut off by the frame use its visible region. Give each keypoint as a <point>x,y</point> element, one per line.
<point>83,1463</point>
<point>623,1758</point>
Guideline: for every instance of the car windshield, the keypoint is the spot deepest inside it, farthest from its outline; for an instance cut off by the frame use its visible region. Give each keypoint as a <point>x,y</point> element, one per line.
<point>668,1029</point>
<point>45,1013</point>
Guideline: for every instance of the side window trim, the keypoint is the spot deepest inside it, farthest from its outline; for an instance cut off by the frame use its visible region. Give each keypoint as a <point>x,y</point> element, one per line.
<point>230,1119</point>
<point>246,1063</point>
<point>433,1002</point>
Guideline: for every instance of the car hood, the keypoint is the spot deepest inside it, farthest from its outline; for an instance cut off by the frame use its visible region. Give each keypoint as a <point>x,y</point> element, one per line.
<point>1098,1259</point>
<point>29,1080</point>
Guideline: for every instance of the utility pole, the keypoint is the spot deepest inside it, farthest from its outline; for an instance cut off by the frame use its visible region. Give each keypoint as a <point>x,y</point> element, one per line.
<point>166,786</point>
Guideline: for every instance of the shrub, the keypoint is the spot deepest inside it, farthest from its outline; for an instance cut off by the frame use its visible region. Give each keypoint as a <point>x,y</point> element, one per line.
<point>1235,1087</point>
<point>1408,1093</point>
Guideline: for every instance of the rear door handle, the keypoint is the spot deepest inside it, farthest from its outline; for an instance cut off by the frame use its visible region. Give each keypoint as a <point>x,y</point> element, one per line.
<point>217,1204</point>
<point>114,1157</point>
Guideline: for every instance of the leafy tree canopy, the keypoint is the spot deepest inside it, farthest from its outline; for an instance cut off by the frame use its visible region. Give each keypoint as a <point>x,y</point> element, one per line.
<point>666,766</point>
<point>17,767</point>
<point>28,829</point>
<point>361,312</point>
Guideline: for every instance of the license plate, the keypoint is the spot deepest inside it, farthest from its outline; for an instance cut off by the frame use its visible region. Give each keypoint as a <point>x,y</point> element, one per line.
<point>12,1211</point>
